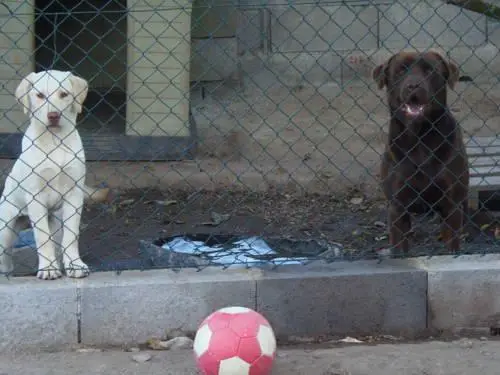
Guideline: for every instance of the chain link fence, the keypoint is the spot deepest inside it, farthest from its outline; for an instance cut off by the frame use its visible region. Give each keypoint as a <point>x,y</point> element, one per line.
<point>252,133</point>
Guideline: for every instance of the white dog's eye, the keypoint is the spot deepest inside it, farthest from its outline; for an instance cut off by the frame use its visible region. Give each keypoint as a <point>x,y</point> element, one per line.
<point>40,95</point>
<point>63,94</point>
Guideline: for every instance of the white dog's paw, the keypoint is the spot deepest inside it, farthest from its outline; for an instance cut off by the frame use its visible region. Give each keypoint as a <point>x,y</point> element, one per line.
<point>48,269</point>
<point>49,273</point>
<point>76,269</point>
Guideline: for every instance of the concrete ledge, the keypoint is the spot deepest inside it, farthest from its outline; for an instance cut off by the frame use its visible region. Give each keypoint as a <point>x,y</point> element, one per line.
<point>351,298</point>
<point>344,298</point>
<point>135,306</point>
<point>464,299</point>
<point>463,293</point>
<point>399,297</point>
<point>37,315</point>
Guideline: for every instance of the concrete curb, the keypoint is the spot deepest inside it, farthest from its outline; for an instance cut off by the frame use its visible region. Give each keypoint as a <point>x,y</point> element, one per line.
<point>398,297</point>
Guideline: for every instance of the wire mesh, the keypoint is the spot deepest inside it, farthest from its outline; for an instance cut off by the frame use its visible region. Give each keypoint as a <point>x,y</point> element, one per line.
<point>250,133</point>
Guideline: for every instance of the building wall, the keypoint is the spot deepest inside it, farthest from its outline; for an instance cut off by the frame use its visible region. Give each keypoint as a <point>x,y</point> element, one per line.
<point>159,55</point>
<point>147,54</point>
<point>380,25</point>
<point>16,51</point>
<point>162,59</point>
<point>317,39</point>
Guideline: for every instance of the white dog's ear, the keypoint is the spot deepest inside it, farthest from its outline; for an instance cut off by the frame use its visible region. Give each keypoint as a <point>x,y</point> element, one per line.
<point>80,90</point>
<point>22,92</point>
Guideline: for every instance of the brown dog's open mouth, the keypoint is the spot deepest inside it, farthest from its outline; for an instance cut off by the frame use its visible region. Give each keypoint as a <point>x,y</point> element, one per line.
<point>413,110</point>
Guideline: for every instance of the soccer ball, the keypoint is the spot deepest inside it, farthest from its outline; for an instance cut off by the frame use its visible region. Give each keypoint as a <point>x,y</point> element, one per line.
<point>235,341</point>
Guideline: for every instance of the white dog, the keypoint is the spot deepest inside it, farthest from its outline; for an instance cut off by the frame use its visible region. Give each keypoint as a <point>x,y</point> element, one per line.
<point>47,181</point>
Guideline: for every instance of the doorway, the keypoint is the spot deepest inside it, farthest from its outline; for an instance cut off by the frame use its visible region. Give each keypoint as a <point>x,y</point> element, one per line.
<point>88,38</point>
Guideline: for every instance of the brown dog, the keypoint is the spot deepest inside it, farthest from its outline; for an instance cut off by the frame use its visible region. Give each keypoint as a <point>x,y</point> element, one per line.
<point>424,166</point>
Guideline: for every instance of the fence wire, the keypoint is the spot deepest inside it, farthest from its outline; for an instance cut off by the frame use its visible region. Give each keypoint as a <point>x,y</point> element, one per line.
<point>246,133</point>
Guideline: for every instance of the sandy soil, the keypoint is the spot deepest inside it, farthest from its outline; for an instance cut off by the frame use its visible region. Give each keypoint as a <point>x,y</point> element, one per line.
<point>326,140</point>
<point>430,358</point>
<point>330,133</point>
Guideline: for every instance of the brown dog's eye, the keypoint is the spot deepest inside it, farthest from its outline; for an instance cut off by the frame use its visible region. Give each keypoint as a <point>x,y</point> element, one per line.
<point>63,95</point>
<point>40,95</point>
<point>428,68</point>
<point>403,69</point>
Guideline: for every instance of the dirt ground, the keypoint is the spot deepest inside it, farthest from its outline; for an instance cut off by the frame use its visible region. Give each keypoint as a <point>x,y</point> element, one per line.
<point>429,358</point>
<point>300,163</point>
<point>329,134</point>
<point>111,233</point>
<point>264,135</point>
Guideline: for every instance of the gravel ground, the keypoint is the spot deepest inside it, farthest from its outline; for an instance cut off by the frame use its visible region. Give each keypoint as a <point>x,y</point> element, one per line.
<point>111,233</point>
<point>430,358</point>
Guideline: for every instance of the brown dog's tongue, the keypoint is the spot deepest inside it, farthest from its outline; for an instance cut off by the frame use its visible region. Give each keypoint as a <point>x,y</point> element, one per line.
<point>413,110</point>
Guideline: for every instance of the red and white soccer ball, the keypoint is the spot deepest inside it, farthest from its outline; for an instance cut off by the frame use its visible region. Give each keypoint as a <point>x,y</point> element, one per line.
<point>235,341</point>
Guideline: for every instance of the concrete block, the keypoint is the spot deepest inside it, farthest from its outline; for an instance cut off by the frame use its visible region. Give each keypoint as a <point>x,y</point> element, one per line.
<point>481,64</point>
<point>214,59</point>
<point>37,315</point>
<point>463,292</point>
<point>251,31</point>
<point>348,68</point>
<point>493,32</point>
<point>344,298</point>
<point>316,68</point>
<point>464,299</point>
<point>218,20</point>
<point>25,261</point>
<point>358,65</point>
<point>311,28</point>
<point>424,24</point>
<point>449,262</point>
<point>134,306</point>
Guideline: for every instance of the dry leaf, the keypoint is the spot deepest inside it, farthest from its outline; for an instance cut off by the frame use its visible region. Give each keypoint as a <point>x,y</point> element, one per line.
<point>356,200</point>
<point>180,342</point>
<point>126,202</point>
<point>497,233</point>
<point>351,340</point>
<point>485,226</point>
<point>217,219</point>
<point>166,203</point>
<point>156,344</point>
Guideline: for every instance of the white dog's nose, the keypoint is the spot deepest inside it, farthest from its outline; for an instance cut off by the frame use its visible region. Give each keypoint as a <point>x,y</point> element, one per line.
<point>53,118</point>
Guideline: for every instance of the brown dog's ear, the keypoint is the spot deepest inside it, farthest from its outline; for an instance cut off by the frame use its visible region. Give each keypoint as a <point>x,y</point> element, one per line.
<point>452,71</point>
<point>379,75</point>
<point>453,74</point>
